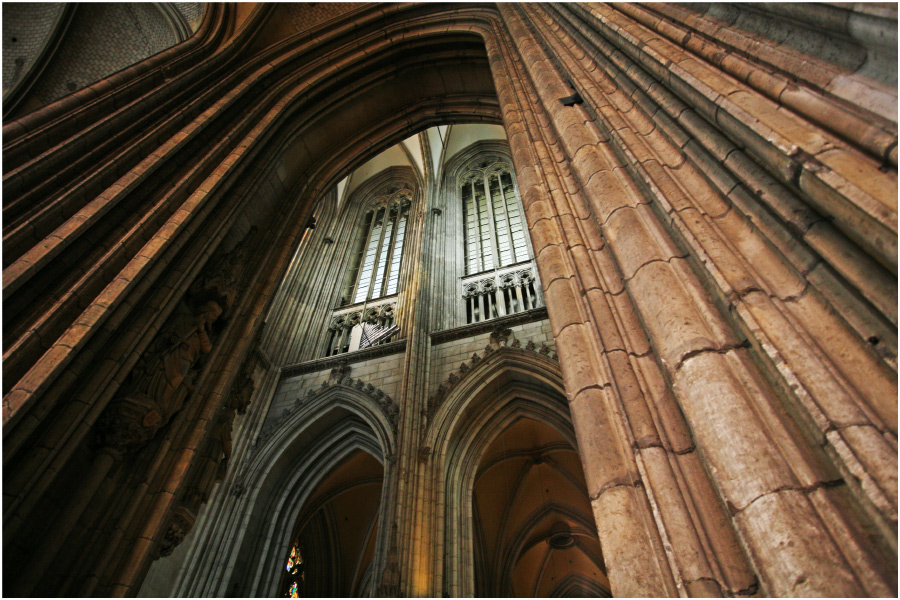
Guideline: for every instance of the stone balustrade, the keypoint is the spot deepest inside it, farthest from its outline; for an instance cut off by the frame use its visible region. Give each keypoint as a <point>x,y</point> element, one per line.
<point>502,292</point>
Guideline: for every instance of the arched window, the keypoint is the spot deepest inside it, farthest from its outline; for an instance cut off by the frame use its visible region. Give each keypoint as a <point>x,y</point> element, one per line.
<point>494,236</point>
<point>296,573</point>
<point>375,262</point>
<point>365,316</point>
<point>499,277</point>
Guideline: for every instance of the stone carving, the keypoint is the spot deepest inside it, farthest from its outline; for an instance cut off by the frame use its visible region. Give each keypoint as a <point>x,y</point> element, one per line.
<point>179,526</point>
<point>500,336</point>
<point>161,381</point>
<point>339,372</point>
<point>237,490</point>
<point>163,378</point>
<point>393,197</point>
<point>241,393</point>
<point>491,283</point>
<point>390,577</point>
<point>337,377</point>
<point>222,281</point>
<point>345,321</point>
<point>212,462</point>
<point>424,453</point>
<point>499,341</point>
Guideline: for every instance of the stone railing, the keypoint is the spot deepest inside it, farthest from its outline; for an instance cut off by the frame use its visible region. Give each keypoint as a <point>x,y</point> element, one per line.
<point>503,292</point>
<point>349,323</point>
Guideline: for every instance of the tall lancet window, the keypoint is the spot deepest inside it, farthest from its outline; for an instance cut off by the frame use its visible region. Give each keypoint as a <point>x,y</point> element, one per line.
<point>499,278</point>
<point>493,223</point>
<point>365,316</point>
<point>375,261</point>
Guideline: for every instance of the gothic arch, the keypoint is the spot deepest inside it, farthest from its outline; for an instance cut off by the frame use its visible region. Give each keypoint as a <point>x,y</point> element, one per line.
<point>450,264</point>
<point>585,528</point>
<point>508,385</point>
<point>291,459</point>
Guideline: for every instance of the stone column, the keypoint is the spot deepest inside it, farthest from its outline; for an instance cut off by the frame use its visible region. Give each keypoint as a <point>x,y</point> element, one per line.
<point>759,461</point>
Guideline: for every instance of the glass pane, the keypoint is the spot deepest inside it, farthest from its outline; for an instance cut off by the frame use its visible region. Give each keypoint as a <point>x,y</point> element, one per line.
<point>369,262</point>
<point>383,256</point>
<point>515,219</point>
<point>484,226</point>
<point>356,259</point>
<point>397,256</point>
<point>504,247</point>
<point>473,240</point>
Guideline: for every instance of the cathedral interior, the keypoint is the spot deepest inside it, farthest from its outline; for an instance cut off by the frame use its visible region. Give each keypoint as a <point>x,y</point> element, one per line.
<point>449,299</point>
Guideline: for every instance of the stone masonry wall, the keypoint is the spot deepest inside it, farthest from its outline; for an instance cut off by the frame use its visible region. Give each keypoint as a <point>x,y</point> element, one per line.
<point>103,39</point>
<point>714,221</point>
<point>383,372</point>
<point>446,357</point>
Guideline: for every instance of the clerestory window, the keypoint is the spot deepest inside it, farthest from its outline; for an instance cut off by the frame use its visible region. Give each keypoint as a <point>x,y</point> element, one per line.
<point>366,314</point>
<point>499,276</point>
<point>494,235</point>
<point>375,261</point>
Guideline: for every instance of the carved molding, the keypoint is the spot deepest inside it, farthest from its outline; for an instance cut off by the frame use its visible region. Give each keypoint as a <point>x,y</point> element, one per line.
<point>321,364</point>
<point>338,378</point>
<point>458,333</point>
<point>501,340</point>
<point>180,525</point>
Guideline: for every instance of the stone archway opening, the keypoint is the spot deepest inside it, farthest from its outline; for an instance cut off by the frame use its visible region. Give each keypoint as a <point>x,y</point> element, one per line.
<point>336,532</point>
<point>534,533</point>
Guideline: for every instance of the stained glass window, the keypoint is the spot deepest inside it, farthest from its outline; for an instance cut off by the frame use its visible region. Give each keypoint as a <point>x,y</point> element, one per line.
<point>295,573</point>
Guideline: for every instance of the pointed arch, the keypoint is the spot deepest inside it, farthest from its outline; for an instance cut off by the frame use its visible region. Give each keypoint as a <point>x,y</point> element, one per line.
<point>277,483</point>
<point>507,386</point>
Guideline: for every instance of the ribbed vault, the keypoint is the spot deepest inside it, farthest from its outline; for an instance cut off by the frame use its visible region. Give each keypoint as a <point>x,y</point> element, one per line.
<point>534,526</point>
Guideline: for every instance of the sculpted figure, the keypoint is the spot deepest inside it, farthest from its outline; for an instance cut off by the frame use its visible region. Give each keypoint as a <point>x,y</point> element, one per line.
<point>161,382</point>
<point>167,378</point>
<point>164,377</point>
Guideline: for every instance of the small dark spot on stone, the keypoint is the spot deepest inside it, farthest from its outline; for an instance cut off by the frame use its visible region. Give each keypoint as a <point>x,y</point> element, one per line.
<point>874,340</point>
<point>15,40</point>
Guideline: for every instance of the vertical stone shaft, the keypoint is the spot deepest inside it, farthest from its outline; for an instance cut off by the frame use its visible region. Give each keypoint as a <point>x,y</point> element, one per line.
<point>759,467</point>
<point>623,513</point>
<point>63,525</point>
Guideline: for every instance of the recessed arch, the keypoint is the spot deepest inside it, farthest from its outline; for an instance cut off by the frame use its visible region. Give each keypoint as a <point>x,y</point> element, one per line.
<point>507,397</point>
<point>336,531</point>
<point>291,460</point>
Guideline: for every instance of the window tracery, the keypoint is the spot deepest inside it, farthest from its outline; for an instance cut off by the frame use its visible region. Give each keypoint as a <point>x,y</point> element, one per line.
<point>375,262</point>
<point>372,281</point>
<point>499,277</point>
<point>494,236</point>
